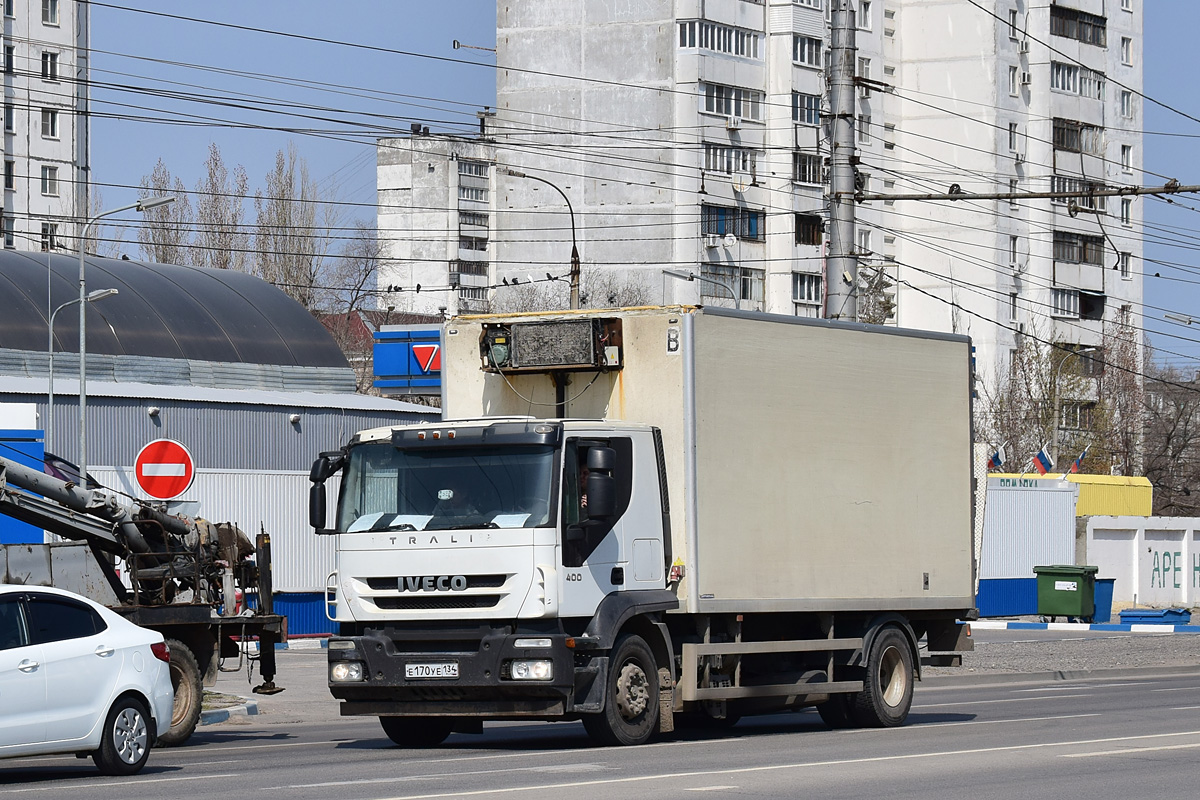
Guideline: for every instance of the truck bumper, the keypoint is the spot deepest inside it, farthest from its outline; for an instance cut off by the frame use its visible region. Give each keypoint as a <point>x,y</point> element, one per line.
<point>394,658</point>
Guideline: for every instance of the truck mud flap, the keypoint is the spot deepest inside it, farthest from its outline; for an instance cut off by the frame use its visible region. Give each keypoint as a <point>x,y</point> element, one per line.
<point>591,682</point>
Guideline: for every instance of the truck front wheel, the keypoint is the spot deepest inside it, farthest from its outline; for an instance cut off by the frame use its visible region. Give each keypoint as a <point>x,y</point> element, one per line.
<point>189,695</point>
<point>888,683</point>
<point>417,731</point>
<point>630,712</point>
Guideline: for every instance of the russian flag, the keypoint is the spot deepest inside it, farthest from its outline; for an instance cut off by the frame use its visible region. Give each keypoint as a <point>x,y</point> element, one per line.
<point>997,458</point>
<point>1042,461</point>
<point>1075,466</point>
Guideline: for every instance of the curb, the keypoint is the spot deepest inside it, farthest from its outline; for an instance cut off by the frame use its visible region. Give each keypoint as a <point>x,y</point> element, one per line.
<point>1001,678</point>
<point>247,709</point>
<point>998,625</point>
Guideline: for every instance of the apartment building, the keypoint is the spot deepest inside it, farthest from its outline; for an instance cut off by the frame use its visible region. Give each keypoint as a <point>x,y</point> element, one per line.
<point>691,136</point>
<point>46,150</point>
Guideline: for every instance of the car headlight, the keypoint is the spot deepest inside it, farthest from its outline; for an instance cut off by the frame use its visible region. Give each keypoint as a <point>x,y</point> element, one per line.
<point>346,672</point>
<point>532,669</point>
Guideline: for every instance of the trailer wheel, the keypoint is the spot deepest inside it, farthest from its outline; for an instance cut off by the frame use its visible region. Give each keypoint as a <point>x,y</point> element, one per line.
<point>189,695</point>
<point>630,712</point>
<point>417,731</point>
<point>888,683</point>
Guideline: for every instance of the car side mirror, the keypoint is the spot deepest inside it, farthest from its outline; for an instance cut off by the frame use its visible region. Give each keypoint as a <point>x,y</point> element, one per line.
<point>316,507</point>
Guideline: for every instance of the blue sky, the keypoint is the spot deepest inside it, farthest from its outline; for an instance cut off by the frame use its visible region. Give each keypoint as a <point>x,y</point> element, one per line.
<point>134,48</point>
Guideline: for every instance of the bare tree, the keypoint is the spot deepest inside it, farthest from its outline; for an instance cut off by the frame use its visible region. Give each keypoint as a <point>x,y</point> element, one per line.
<point>1172,441</point>
<point>165,232</point>
<point>291,238</point>
<point>221,240</point>
<point>599,287</point>
<point>107,237</point>
<point>349,297</point>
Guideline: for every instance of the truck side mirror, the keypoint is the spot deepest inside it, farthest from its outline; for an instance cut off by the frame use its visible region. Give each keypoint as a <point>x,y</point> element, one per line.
<point>316,506</point>
<point>601,495</point>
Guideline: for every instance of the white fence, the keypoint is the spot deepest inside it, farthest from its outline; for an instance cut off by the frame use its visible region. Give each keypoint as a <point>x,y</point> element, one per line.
<point>1155,560</point>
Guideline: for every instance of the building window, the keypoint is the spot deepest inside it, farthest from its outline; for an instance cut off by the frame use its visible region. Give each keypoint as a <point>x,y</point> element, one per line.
<point>49,123</point>
<point>807,51</point>
<point>1078,137</point>
<point>472,243</point>
<point>49,66</point>
<point>1126,50</point>
<point>1127,5</point>
<point>1014,243</point>
<point>476,169</point>
<point>864,128</point>
<point>731,101</point>
<point>1078,25</point>
<point>1064,77</point>
<point>1078,248</point>
<point>1013,137</point>
<point>49,240</point>
<point>1013,31</point>
<point>726,282</point>
<point>1012,306</point>
<point>810,3</point>
<point>807,168</point>
<point>1082,189</point>
<point>50,12</point>
<point>475,193</point>
<point>864,242</point>
<point>1077,416</point>
<point>475,218</point>
<point>1064,303</point>
<point>477,268</point>
<point>10,59</point>
<point>1127,104</point>
<point>864,15</point>
<point>729,159</point>
<point>1091,83</point>
<point>50,181</point>
<point>1126,211</point>
<point>744,223</point>
<point>1127,158</point>
<point>806,108</point>
<point>8,8</point>
<point>720,38</point>
<point>10,226</point>
<point>809,229</point>
<point>1126,272</point>
<point>806,294</point>
<point>1014,81</point>
<point>1013,185</point>
<point>9,117</point>
<point>10,178</point>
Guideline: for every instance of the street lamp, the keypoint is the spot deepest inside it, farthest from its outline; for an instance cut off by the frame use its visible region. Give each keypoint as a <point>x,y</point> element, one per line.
<point>92,297</point>
<point>691,276</point>
<point>1057,374</point>
<point>574,247</point>
<point>145,204</point>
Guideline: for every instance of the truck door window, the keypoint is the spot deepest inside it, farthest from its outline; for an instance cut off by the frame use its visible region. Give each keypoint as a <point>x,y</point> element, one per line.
<point>582,534</point>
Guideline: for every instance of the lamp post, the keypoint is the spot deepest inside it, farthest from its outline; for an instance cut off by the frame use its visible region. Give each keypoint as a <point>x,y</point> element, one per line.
<point>92,297</point>
<point>691,276</point>
<point>574,246</point>
<point>144,204</point>
<point>1057,374</point>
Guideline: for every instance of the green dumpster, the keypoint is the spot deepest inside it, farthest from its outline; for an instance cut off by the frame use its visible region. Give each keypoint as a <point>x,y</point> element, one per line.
<point>1066,590</point>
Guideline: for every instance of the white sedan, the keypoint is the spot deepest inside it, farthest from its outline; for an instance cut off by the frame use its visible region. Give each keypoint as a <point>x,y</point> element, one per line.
<point>76,677</point>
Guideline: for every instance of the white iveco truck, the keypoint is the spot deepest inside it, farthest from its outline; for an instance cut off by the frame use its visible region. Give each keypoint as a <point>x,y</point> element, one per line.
<point>633,517</point>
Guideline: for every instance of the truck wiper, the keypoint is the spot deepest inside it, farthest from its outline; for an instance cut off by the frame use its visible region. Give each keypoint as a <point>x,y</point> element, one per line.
<point>464,527</point>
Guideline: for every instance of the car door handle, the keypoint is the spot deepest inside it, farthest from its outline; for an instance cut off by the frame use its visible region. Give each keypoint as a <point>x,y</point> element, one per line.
<point>104,652</point>
<point>28,666</point>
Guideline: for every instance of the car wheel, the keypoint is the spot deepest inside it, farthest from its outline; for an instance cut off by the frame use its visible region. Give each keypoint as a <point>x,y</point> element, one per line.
<point>189,695</point>
<point>125,741</point>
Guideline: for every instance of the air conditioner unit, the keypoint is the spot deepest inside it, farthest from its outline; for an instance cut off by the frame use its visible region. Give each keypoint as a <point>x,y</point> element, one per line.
<point>712,240</point>
<point>733,123</point>
<point>1026,79</point>
<point>1025,46</point>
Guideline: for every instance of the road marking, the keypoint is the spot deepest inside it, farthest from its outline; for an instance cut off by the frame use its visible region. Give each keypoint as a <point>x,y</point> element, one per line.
<point>988,702</point>
<point>1185,708</point>
<point>107,783</point>
<point>675,776</point>
<point>1179,689</point>
<point>919,726</point>
<point>1050,689</point>
<point>711,789</point>
<point>1131,750</point>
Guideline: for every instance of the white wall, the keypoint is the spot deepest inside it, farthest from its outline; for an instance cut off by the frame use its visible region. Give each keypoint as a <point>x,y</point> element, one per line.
<point>1155,560</point>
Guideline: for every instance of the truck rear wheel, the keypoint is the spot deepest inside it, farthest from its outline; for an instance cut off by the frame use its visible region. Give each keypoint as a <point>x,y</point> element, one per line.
<point>417,731</point>
<point>189,695</point>
<point>888,683</point>
<point>630,712</point>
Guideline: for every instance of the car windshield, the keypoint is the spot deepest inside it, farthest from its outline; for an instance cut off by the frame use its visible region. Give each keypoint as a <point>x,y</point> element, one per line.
<point>384,488</point>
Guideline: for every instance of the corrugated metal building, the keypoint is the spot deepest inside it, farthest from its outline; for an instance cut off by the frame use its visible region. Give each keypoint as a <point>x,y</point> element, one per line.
<point>1109,495</point>
<point>219,360</point>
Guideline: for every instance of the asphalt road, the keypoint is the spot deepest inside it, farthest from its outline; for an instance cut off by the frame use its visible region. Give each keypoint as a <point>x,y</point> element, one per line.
<point>1135,736</point>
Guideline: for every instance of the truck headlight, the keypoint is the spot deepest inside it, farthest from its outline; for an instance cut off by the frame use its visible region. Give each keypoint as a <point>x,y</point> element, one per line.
<point>532,669</point>
<point>346,672</point>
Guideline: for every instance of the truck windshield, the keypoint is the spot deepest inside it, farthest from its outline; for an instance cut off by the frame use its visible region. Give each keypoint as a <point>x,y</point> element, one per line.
<point>384,488</point>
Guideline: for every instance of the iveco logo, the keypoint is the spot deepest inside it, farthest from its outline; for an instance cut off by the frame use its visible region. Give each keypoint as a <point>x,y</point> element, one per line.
<point>433,583</point>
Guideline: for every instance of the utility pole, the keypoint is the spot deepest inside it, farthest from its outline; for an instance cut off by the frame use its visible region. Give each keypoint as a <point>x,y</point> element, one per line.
<point>841,265</point>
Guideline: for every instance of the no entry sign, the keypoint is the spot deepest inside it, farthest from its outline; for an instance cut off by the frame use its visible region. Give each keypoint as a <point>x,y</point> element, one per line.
<point>164,469</point>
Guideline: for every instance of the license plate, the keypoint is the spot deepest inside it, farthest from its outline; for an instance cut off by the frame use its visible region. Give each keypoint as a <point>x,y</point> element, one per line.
<point>443,670</point>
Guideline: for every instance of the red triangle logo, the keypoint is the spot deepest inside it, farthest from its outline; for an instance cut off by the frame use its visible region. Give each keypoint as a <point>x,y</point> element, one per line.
<point>429,357</point>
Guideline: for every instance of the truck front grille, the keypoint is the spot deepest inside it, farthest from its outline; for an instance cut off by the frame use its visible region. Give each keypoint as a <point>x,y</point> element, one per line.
<point>391,584</point>
<point>442,601</point>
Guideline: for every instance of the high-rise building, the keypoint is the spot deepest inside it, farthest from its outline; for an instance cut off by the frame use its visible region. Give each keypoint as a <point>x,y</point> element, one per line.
<point>46,149</point>
<point>692,136</point>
